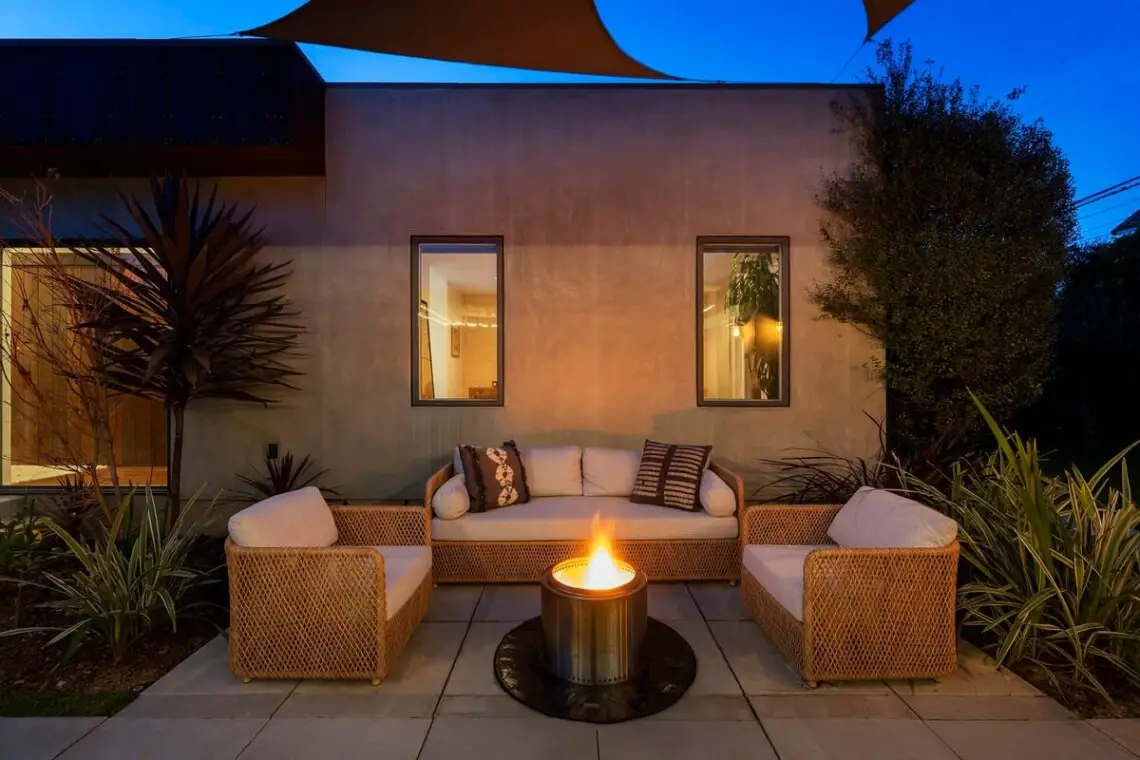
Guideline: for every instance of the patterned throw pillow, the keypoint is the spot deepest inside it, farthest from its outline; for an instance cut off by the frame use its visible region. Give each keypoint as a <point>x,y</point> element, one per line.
<point>670,475</point>
<point>495,477</point>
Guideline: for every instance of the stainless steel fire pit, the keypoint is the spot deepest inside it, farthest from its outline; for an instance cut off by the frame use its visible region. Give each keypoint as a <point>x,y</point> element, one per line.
<point>593,636</point>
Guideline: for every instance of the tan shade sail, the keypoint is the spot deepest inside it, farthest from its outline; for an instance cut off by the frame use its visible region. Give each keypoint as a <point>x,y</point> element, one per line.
<point>545,35</point>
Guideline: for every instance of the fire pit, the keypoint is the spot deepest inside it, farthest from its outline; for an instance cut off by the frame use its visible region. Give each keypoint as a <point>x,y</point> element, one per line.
<point>595,655</point>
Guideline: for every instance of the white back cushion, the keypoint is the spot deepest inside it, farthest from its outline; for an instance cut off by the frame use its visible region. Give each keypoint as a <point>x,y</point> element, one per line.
<point>295,519</point>
<point>609,472</point>
<point>553,470</point>
<point>717,496</point>
<point>877,519</point>
<point>451,501</point>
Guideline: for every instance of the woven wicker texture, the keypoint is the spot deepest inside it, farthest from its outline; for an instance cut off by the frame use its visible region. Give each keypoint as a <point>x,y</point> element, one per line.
<point>526,561</point>
<point>868,613</point>
<point>787,524</point>
<point>382,526</point>
<point>320,613</point>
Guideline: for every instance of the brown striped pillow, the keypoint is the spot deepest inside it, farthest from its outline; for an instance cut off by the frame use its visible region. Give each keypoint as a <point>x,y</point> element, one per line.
<point>670,475</point>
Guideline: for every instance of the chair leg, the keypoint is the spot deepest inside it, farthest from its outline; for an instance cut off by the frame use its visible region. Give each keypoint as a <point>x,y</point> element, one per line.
<point>246,679</point>
<point>733,583</point>
<point>811,684</point>
<point>375,681</point>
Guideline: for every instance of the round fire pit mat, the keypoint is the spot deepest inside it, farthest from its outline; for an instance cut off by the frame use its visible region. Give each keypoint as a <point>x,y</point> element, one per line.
<point>669,670</point>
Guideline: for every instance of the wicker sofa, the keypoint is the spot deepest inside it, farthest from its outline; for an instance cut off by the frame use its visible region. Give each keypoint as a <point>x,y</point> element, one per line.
<point>569,486</point>
<point>862,591</point>
<point>324,592</point>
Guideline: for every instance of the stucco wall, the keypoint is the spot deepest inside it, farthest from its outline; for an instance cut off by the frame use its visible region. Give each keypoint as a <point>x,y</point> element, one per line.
<point>600,195</point>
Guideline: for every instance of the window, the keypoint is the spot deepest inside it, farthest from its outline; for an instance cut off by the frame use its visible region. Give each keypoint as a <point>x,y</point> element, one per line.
<point>457,302</point>
<point>742,335</point>
<point>54,422</point>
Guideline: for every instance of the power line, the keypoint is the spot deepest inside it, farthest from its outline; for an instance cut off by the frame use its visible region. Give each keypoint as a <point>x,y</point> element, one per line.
<point>1102,212</point>
<point>1108,192</point>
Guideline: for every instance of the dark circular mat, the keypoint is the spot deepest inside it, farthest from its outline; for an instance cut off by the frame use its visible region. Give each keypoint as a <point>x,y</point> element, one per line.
<point>668,671</point>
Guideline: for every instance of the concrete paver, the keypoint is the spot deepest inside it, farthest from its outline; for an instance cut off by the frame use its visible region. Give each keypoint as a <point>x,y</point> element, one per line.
<point>1027,740</point>
<point>442,701</point>
<point>42,738</point>
<point>119,738</point>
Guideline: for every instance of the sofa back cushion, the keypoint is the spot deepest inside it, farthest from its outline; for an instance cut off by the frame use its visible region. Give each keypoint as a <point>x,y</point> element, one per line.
<point>877,519</point>
<point>553,470</point>
<point>296,519</point>
<point>495,476</point>
<point>609,472</point>
<point>670,475</point>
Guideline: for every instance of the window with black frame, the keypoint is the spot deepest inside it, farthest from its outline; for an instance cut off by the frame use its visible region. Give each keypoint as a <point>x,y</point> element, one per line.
<point>457,342</point>
<point>742,335</point>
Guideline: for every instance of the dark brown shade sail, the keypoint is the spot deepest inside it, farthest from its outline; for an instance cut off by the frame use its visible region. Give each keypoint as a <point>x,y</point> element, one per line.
<point>882,12</point>
<point>545,35</point>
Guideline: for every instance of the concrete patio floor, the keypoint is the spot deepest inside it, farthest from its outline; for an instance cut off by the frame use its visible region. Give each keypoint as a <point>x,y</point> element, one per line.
<point>442,702</point>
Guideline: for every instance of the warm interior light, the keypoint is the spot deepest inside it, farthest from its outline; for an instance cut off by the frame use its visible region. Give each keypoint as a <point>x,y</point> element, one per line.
<point>736,331</point>
<point>601,571</point>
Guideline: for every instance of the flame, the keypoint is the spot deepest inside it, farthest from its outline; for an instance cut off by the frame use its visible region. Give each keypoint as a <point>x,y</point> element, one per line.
<point>602,572</point>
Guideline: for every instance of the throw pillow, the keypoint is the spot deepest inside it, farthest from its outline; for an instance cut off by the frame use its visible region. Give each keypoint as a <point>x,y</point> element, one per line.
<point>670,475</point>
<point>495,477</point>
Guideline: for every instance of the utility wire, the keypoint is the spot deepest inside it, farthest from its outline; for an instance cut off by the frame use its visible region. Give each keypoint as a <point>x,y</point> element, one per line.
<point>1113,207</point>
<point>1108,192</point>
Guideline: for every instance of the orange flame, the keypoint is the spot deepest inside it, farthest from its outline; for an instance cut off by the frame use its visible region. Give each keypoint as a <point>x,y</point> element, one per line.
<point>602,571</point>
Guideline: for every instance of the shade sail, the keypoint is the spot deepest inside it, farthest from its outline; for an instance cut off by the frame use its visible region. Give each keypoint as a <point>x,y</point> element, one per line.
<point>545,35</point>
<point>882,12</point>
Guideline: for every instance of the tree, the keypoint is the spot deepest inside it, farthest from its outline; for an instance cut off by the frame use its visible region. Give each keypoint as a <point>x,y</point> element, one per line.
<point>188,312</point>
<point>947,243</point>
<point>1089,405</point>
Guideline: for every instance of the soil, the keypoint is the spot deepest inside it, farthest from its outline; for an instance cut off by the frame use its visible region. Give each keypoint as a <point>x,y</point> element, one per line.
<point>1081,700</point>
<point>29,667</point>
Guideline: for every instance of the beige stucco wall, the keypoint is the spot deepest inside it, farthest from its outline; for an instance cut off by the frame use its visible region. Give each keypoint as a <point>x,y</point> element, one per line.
<point>600,195</point>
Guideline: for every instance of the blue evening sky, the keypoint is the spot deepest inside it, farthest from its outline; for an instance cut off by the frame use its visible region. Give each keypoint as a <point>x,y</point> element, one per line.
<point>1080,61</point>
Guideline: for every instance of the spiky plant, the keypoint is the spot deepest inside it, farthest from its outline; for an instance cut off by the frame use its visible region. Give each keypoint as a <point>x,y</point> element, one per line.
<point>187,309</point>
<point>281,475</point>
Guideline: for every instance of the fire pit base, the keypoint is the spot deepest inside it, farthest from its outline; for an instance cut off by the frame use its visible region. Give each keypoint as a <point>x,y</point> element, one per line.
<point>669,669</point>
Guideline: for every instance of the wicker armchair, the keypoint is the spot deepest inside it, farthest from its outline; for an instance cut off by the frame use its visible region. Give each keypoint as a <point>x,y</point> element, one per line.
<point>323,612</point>
<point>867,613</point>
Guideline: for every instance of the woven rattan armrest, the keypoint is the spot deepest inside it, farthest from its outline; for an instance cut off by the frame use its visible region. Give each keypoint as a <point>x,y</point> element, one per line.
<point>266,580</point>
<point>787,524</point>
<point>382,525</point>
<point>437,479</point>
<point>897,588</point>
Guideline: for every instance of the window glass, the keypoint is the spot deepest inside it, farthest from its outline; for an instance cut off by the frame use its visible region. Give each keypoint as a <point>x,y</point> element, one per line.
<point>743,346</point>
<point>458,339</point>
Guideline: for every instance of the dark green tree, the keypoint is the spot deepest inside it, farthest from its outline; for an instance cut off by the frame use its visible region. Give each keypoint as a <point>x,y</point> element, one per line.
<point>947,243</point>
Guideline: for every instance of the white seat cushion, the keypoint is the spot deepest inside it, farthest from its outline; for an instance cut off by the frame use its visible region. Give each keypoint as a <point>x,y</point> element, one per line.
<point>405,568</point>
<point>570,518</point>
<point>716,496</point>
<point>451,500</point>
<point>553,470</point>
<point>877,519</point>
<point>296,519</point>
<point>780,570</point>
<point>609,472</point>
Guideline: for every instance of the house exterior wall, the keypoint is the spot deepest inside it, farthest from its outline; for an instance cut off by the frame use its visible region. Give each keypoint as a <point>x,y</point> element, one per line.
<point>600,195</point>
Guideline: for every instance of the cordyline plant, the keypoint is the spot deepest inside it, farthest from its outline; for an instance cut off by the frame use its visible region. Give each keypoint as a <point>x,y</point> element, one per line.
<point>189,312</point>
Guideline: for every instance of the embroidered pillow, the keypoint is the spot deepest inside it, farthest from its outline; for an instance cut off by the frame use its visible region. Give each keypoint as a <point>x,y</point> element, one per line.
<point>670,475</point>
<point>495,477</point>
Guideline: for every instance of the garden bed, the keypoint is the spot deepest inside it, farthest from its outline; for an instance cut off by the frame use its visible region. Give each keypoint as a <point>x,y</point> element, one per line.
<point>1084,703</point>
<point>35,681</point>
